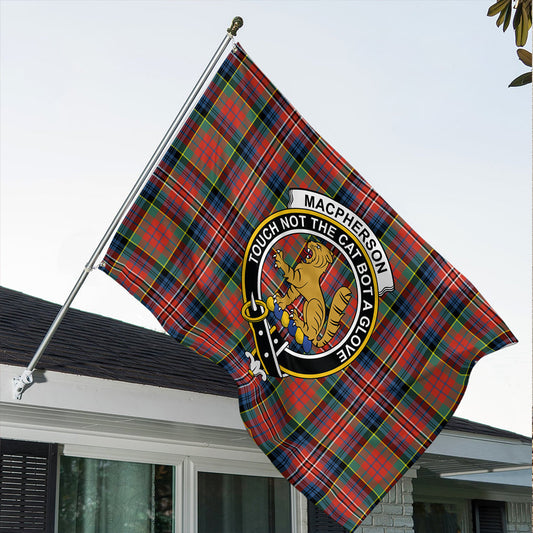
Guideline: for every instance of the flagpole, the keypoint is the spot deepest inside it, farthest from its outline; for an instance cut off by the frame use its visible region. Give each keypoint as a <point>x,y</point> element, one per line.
<point>26,378</point>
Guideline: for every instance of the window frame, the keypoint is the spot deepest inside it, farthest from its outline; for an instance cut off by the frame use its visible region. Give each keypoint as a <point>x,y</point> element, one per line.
<point>193,465</point>
<point>463,505</point>
<point>186,469</point>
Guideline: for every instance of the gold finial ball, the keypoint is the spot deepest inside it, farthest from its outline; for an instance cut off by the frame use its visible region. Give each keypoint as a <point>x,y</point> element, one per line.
<point>236,24</point>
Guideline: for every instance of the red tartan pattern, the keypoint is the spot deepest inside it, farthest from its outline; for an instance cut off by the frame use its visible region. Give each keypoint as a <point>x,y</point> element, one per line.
<point>346,438</point>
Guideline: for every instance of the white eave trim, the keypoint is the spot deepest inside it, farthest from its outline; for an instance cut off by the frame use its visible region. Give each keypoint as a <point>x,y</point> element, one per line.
<point>79,410</point>
<point>58,390</point>
<point>480,447</point>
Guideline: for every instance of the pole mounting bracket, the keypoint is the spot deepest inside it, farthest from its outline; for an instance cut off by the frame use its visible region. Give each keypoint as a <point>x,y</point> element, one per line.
<point>21,382</point>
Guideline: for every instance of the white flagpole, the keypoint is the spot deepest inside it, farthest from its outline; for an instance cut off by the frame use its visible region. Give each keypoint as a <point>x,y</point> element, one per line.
<point>26,378</point>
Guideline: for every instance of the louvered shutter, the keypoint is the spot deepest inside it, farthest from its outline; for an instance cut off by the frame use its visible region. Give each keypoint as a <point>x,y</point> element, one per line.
<point>319,522</point>
<point>489,516</point>
<point>28,474</point>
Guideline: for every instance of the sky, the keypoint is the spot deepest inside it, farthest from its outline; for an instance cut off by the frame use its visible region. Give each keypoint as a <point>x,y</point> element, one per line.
<point>414,94</point>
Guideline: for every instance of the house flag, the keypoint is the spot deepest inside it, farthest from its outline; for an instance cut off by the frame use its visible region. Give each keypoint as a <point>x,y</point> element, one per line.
<point>350,338</point>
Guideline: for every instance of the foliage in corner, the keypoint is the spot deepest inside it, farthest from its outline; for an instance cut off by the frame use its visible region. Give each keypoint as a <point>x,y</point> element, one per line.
<point>521,25</point>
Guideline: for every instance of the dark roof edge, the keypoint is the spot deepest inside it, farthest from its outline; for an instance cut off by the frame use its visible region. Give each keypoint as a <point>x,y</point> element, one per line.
<point>463,425</point>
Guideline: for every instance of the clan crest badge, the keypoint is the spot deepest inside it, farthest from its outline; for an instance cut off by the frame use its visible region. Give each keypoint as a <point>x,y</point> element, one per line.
<point>312,276</point>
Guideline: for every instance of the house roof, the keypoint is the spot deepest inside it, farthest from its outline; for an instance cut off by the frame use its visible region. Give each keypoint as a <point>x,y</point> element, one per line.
<point>467,426</point>
<point>92,345</point>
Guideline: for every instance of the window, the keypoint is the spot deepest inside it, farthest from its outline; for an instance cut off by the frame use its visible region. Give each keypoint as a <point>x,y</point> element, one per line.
<point>231,503</point>
<point>103,495</point>
<point>140,491</point>
<point>489,516</point>
<point>437,517</point>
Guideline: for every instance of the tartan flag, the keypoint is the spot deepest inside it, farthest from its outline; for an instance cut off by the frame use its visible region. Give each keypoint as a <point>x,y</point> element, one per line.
<point>350,338</point>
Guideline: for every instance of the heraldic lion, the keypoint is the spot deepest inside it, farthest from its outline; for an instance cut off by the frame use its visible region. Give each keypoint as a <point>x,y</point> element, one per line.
<point>304,280</point>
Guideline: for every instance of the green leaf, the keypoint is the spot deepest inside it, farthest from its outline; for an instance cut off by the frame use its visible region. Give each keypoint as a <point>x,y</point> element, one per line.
<point>497,7</point>
<point>523,79</point>
<point>501,17</point>
<point>524,56</point>
<point>521,33</point>
<point>524,25</point>
<point>519,25</point>
<point>517,19</point>
<point>508,16</point>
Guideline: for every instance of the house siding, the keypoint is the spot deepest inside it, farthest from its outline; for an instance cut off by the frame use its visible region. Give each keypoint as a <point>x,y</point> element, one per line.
<point>394,514</point>
<point>518,517</point>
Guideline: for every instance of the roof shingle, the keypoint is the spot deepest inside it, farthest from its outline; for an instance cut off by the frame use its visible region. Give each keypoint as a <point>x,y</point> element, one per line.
<point>92,345</point>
